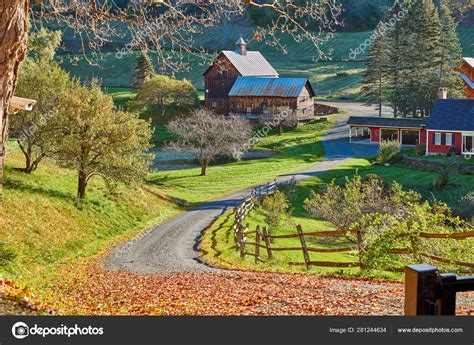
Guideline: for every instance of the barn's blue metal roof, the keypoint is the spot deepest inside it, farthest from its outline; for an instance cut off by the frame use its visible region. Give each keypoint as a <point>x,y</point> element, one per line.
<point>269,87</point>
<point>452,115</point>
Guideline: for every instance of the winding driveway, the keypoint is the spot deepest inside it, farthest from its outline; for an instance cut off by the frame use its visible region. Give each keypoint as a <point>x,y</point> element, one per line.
<point>173,246</point>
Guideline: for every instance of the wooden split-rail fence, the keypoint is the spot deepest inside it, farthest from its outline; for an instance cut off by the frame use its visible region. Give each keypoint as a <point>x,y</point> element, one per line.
<point>259,242</point>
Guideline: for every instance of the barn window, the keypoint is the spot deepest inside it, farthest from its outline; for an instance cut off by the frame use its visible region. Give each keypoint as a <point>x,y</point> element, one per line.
<point>449,139</point>
<point>437,139</point>
<point>214,104</point>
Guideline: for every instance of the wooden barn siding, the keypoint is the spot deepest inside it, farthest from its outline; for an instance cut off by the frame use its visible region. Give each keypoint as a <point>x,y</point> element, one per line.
<point>469,72</point>
<point>258,103</point>
<point>218,82</point>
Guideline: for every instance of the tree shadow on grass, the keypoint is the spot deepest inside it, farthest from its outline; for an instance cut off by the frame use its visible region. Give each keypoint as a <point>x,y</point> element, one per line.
<point>20,186</point>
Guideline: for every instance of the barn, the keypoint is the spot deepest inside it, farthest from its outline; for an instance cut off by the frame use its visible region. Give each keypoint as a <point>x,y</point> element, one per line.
<point>220,77</point>
<point>243,82</point>
<point>450,125</point>
<point>467,74</point>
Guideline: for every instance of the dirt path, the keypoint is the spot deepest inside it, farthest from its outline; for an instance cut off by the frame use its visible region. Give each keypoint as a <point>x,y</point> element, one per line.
<point>172,246</point>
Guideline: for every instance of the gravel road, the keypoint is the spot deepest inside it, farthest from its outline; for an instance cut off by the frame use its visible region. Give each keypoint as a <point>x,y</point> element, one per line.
<point>172,247</point>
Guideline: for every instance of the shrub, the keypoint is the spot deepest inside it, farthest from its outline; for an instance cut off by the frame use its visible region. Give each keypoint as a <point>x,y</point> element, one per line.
<point>420,149</point>
<point>451,151</point>
<point>276,209</point>
<point>442,180</point>
<point>389,152</point>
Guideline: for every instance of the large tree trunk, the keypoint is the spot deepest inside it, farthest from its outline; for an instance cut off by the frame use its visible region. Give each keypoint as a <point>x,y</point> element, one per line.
<point>81,186</point>
<point>13,34</point>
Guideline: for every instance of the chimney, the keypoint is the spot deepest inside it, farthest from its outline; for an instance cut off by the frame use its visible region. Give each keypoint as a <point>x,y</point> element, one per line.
<point>442,93</point>
<point>241,46</point>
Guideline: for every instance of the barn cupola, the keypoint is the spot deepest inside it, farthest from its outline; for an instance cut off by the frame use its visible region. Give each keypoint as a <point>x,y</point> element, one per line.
<point>241,46</point>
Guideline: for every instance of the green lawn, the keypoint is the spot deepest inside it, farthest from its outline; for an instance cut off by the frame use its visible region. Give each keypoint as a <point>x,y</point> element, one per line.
<point>219,247</point>
<point>299,148</point>
<point>48,235</point>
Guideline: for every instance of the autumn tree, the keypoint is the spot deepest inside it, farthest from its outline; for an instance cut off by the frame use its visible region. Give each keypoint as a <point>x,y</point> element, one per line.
<point>41,79</point>
<point>162,93</point>
<point>95,139</point>
<point>208,135</point>
<point>143,71</point>
<point>166,27</point>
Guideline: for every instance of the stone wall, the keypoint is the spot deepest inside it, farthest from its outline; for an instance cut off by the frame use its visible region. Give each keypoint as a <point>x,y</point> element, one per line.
<point>426,165</point>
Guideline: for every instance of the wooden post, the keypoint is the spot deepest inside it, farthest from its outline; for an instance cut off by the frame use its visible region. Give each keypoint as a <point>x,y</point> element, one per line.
<point>267,243</point>
<point>257,245</point>
<point>303,246</point>
<point>420,293</point>
<point>447,294</point>
<point>242,242</point>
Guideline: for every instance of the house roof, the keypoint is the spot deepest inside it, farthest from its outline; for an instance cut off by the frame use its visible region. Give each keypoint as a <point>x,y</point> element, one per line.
<point>270,87</point>
<point>452,115</point>
<point>20,103</point>
<point>367,121</point>
<point>468,81</point>
<point>253,64</point>
<point>469,61</point>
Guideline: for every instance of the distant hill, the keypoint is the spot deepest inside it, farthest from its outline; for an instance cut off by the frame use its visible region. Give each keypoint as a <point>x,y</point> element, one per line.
<point>339,76</point>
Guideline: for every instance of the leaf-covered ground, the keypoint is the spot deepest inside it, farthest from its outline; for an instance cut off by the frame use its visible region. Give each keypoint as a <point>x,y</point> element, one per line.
<point>101,292</point>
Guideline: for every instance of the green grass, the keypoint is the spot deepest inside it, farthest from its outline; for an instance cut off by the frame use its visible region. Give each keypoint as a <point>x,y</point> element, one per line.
<point>219,247</point>
<point>299,148</point>
<point>299,61</point>
<point>41,225</point>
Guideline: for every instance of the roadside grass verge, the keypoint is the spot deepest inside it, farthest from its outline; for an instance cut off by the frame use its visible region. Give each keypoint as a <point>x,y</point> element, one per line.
<point>298,148</point>
<point>218,242</point>
<point>44,234</point>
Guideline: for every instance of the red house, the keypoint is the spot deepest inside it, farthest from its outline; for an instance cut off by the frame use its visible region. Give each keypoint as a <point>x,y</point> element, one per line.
<point>467,74</point>
<point>451,124</point>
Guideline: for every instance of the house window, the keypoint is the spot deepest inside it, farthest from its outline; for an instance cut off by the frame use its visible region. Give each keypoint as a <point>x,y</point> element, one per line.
<point>437,139</point>
<point>214,104</point>
<point>449,139</point>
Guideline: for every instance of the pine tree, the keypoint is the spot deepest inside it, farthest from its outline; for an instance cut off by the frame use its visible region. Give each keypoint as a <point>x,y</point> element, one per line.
<point>420,57</point>
<point>451,58</point>
<point>375,77</point>
<point>143,70</point>
<point>393,40</point>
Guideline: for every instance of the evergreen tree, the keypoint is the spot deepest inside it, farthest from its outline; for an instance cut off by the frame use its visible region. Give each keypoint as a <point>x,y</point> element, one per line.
<point>420,56</point>
<point>451,58</point>
<point>375,77</point>
<point>143,70</point>
<point>393,40</point>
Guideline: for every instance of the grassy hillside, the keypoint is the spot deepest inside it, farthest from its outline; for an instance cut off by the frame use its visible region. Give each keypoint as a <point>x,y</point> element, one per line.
<point>43,233</point>
<point>341,75</point>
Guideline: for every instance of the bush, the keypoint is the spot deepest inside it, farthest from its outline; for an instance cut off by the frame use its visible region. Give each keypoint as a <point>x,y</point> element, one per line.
<point>342,74</point>
<point>442,180</point>
<point>420,149</point>
<point>451,151</point>
<point>389,152</point>
<point>276,209</point>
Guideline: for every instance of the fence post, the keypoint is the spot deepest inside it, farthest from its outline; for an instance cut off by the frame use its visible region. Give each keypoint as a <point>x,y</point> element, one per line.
<point>242,242</point>
<point>257,245</point>
<point>267,243</point>
<point>420,293</point>
<point>303,245</point>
